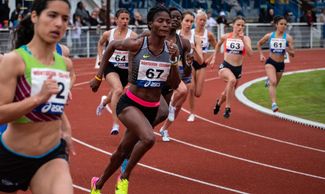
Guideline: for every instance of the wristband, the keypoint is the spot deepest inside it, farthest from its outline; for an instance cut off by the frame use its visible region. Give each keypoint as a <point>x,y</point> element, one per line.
<point>174,61</point>
<point>98,78</point>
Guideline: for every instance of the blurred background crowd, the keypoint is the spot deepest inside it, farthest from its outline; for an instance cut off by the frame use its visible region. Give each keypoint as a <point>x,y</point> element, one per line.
<point>92,14</point>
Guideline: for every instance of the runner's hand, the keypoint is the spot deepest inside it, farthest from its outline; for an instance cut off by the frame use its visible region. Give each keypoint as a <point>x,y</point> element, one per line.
<point>94,84</point>
<point>49,88</point>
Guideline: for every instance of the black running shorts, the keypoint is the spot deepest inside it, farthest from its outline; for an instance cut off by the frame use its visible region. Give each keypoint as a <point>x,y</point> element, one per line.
<point>17,170</point>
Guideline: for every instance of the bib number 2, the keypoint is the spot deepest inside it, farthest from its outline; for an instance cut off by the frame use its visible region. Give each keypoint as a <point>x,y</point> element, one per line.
<point>55,105</point>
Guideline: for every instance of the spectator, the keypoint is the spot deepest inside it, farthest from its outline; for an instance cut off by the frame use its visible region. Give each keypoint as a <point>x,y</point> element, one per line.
<point>137,20</point>
<point>308,18</point>
<point>4,14</point>
<point>322,20</point>
<point>270,16</point>
<point>222,18</point>
<point>140,3</point>
<point>289,16</point>
<point>211,22</point>
<point>94,34</point>
<point>233,4</point>
<point>83,13</point>
<point>203,4</point>
<point>216,6</point>
<point>102,13</point>
<point>222,22</point>
<point>127,4</point>
<point>262,16</point>
<point>16,16</point>
<point>75,35</point>
<point>93,19</point>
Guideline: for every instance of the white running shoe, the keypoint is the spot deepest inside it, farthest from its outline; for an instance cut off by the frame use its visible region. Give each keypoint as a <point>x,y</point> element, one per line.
<point>116,129</point>
<point>171,114</point>
<point>191,118</point>
<point>100,107</point>
<point>275,107</point>
<point>164,134</point>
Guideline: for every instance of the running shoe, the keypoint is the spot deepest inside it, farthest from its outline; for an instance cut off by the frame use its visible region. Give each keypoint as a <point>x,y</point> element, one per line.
<point>275,107</point>
<point>227,112</point>
<point>123,166</point>
<point>93,189</point>
<point>122,186</point>
<point>164,134</point>
<point>191,118</point>
<point>101,106</point>
<point>216,108</point>
<point>116,129</point>
<point>171,114</point>
<point>267,83</point>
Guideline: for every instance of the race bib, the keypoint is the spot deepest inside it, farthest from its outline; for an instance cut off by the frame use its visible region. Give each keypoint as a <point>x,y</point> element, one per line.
<point>152,73</point>
<point>234,46</point>
<point>204,43</point>
<point>120,59</point>
<point>55,105</point>
<point>278,45</point>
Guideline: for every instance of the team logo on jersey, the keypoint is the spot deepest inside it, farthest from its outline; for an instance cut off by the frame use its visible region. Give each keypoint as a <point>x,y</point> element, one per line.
<point>151,84</point>
<point>145,56</point>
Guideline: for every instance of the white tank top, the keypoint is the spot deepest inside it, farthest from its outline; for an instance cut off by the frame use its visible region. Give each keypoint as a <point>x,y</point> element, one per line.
<point>119,58</point>
<point>204,40</point>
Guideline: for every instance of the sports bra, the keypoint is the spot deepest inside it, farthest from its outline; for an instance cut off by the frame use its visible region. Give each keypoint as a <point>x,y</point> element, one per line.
<point>234,45</point>
<point>149,70</point>
<point>204,40</point>
<point>278,45</point>
<point>119,58</point>
<point>31,83</point>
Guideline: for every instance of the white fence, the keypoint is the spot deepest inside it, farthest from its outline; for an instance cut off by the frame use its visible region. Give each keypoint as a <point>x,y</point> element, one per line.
<point>86,44</point>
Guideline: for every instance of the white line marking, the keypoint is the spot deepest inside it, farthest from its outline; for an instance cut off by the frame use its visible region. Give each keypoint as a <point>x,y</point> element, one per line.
<point>242,98</point>
<point>242,131</point>
<point>246,160</point>
<point>220,153</point>
<point>81,83</point>
<point>162,171</point>
<point>208,150</point>
<point>256,135</point>
<point>81,188</point>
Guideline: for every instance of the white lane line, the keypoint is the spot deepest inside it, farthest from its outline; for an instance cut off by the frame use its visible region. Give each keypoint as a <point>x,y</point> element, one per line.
<point>246,160</point>
<point>242,131</point>
<point>81,83</point>
<point>243,159</point>
<point>207,150</point>
<point>256,135</point>
<point>211,151</point>
<point>163,171</point>
<point>243,99</point>
<point>81,188</point>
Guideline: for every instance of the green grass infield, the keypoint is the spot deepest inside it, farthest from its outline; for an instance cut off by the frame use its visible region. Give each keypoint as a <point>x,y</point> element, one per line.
<point>301,95</point>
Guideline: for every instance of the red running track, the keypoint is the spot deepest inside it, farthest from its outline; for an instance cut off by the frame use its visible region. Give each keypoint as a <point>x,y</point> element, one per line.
<point>248,153</point>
